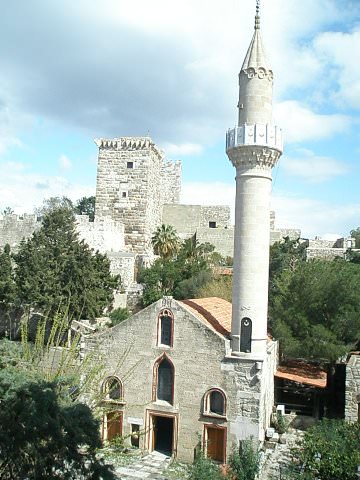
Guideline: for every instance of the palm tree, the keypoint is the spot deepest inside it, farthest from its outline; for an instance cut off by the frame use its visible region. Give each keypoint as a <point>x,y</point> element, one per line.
<point>165,241</point>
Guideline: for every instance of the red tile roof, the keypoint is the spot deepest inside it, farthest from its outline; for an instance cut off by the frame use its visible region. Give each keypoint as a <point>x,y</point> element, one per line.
<point>303,373</point>
<point>213,311</point>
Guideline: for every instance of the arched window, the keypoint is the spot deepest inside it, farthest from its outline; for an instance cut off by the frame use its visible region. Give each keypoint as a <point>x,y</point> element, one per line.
<point>163,383</point>
<point>112,387</point>
<point>215,402</point>
<point>245,335</point>
<point>165,327</point>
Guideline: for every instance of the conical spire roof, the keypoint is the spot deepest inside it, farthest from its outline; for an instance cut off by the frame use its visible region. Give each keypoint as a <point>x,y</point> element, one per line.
<point>256,55</point>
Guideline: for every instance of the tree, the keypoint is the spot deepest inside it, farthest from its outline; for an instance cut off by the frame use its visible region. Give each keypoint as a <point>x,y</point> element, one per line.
<point>244,462</point>
<point>219,286</point>
<point>55,271</point>
<point>181,276</point>
<point>356,234</point>
<point>329,450</point>
<point>7,285</point>
<point>315,312</point>
<point>43,434</point>
<point>86,206</point>
<point>8,211</point>
<point>165,241</point>
<point>54,203</point>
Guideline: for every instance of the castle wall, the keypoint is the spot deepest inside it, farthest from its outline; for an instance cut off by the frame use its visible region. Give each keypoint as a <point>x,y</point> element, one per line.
<point>13,228</point>
<point>352,389</point>
<point>104,235</point>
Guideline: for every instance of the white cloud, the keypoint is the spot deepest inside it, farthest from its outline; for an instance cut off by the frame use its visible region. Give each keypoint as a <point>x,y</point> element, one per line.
<point>302,124</point>
<point>65,162</point>
<point>315,218</point>
<point>313,168</point>
<point>23,190</point>
<point>182,149</point>
<point>338,50</point>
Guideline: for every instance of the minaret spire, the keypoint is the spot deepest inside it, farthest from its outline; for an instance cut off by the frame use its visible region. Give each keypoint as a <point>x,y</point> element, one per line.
<point>257,15</point>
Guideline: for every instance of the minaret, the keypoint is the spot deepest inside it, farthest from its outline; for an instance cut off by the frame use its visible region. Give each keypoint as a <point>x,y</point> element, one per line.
<point>253,147</point>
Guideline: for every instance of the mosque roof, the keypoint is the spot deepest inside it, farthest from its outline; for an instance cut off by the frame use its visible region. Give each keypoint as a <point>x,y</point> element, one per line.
<point>213,311</point>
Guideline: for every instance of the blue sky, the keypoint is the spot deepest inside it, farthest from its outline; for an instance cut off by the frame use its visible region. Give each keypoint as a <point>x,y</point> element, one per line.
<point>74,71</point>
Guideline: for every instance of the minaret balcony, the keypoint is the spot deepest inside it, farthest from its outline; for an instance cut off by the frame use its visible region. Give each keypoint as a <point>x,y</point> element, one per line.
<point>256,134</point>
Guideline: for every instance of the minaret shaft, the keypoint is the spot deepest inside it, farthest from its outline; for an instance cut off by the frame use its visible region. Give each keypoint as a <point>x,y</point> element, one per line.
<point>253,147</point>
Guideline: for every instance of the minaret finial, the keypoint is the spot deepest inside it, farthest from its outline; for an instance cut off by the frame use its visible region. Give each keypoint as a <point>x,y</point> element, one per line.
<point>257,16</point>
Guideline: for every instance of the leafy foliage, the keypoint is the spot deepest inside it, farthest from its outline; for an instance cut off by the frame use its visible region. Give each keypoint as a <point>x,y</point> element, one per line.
<point>119,315</point>
<point>42,434</point>
<point>54,203</point>
<point>180,276</point>
<point>86,206</point>
<point>55,271</point>
<point>244,462</point>
<point>7,284</point>
<point>218,286</point>
<point>204,469</point>
<point>355,233</point>
<point>316,311</point>
<point>165,241</point>
<point>330,450</point>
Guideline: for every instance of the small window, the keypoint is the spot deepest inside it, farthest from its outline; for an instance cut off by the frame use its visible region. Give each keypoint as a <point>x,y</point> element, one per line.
<point>112,388</point>
<point>212,224</point>
<point>165,327</point>
<point>130,165</point>
<point>215,403</point>
<point>245,335</point>
<point>124,194</point>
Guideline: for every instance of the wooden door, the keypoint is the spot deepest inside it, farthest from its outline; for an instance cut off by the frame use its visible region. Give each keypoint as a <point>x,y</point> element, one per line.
<point>215,447</point>
<point>113,424</point>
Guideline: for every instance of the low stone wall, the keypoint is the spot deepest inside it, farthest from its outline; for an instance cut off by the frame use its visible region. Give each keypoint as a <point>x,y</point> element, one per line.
<point>352,389</point>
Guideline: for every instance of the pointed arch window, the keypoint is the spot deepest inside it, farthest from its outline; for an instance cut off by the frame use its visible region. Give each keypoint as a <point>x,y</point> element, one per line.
<point>165,327</point>
<point>113,389</point>
<point>215,403</point>
<point>163,381</point>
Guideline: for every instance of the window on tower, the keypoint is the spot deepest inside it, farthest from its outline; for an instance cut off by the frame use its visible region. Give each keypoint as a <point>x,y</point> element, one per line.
<point>212,224</point>
<point>245,335</point>
<point>130,165</point>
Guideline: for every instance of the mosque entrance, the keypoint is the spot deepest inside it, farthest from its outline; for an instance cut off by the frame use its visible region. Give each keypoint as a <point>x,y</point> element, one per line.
<point>163,434</point>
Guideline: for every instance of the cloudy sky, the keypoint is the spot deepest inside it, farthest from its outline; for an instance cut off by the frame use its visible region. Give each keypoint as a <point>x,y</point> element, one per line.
<point>73,71</point>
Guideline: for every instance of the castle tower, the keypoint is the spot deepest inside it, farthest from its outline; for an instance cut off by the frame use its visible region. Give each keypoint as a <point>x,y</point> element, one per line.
<point>133,182</point>
<point>253,147</point>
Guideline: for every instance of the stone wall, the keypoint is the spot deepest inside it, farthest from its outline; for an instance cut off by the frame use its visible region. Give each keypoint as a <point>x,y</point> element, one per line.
<point>221,238</point>
<point>13,228</point>
<point>104,234</point>
<point>123,264</point>
<point>170,182</point>
<point>352,389</point>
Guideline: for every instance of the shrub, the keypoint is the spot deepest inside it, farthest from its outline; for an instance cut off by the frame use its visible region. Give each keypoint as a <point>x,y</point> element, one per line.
<point>204,469</point>
<point>119,315</point>
<point>244,462</point>
<point>280,423</point>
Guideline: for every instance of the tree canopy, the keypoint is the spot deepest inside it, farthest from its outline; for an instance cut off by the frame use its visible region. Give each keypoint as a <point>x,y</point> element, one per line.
<point>315,311</point>
<point>55,270</point>
<point>330,450</point>
<point>86,206</point>
<point>355,233</point>
<point>165,241</point>
<point>180,274</point>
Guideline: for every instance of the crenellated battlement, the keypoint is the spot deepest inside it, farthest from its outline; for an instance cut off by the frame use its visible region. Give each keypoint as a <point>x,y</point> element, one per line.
<point>128,144</point>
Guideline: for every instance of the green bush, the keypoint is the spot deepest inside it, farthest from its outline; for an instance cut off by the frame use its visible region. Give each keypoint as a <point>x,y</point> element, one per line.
<point>244,462</point>
<point>280,423</point>
<point>204,469</point>
<point>119,315</point>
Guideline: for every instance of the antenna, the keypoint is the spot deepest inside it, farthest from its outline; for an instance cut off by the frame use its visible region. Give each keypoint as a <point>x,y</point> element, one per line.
<point>257,8</point>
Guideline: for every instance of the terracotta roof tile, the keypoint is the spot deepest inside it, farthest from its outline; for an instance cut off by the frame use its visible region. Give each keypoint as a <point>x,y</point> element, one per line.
<point>214,311</point>
<point>303,373</point>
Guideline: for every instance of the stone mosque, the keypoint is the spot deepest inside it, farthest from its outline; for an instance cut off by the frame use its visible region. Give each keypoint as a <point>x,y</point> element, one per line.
<point>163,396</point>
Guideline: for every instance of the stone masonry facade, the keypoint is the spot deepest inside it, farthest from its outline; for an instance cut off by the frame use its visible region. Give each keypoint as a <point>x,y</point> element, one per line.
<point>352,388</point>
<point>196,350</point>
